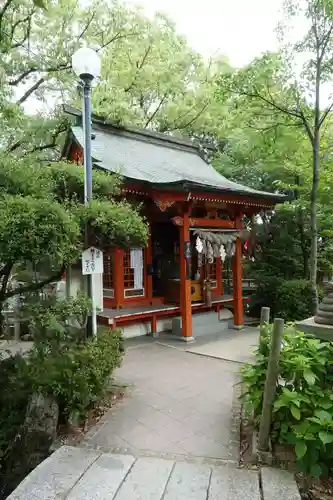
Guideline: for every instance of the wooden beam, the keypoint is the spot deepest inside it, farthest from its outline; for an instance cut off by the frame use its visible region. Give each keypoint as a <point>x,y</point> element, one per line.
<point>234,199</point>
<point>205,223</point>
<point>185,283</point>
<point>118,277</point>
<point>237,277</point>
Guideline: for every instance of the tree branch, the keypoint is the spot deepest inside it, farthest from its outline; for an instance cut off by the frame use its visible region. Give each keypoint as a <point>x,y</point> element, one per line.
<point>60,67</point>
<point>326,112</point>
<point>59,130</point>
<point>87,25</point>
<point>324,46</point>
<point>33,287</point>
<point>26,34</point>
<point>3,10</point>
<point>194,119</point>
<point>113,39</point>
<point>295,114</point>
<point>31,91</point>
<point>26,73</point>
<point>152,116</point>
<point>139,66</point>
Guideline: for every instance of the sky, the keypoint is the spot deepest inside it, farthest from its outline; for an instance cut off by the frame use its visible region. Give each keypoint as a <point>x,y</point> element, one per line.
<point>239,29</point>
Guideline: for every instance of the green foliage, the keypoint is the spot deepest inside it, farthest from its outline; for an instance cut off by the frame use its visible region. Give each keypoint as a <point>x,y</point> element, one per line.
<point>68,182</point>
<point>43,218</point>
<point>294,300</point>
<point>14,395</point>
<point>114,223</point>
<point>288,299</point>
<point>62,364</point>
<point>303,408</point>
<point>283,95</point>
<point>32,229</point>
<point>77,374</point>
<point>54,323</point>
<point>151,77</point>
<point>65,365</point>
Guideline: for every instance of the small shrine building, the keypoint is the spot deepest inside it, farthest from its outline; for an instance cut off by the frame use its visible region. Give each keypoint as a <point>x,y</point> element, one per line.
<point>196,221</point>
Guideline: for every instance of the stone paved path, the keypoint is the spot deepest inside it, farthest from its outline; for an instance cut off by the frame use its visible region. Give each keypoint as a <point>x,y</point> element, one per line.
<point>177,404</point>
<point>175,434</point>
<point>81,474</point>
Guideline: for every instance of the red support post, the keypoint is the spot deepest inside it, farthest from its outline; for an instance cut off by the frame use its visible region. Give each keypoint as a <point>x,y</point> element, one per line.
<point>219,286</point>
<point>154,325</point>
<point>185,283</point>
<point>118,277</point>
<point>149,262</point>
<point>237,278</point>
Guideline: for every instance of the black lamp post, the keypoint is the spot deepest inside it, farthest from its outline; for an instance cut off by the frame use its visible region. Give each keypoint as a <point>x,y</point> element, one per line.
<point>86,64</point>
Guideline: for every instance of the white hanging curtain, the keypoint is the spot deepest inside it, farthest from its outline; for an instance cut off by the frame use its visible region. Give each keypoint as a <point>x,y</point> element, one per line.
<point>137,266</point>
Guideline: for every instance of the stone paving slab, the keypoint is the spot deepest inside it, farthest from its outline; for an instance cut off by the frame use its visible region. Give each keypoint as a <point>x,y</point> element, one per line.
<point>56,476</point>
<point>236,346</point>
<point>146,481</point>
<point>278,484</point>
<point>230,483</point>
<point>102,479</point>
<point>80,474</point>
<point>188,481</point>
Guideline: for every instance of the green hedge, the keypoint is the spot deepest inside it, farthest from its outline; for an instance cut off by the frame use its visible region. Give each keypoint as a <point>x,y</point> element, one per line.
<point>291,300</point>
<point>78,374</point>
<point>294,300</point>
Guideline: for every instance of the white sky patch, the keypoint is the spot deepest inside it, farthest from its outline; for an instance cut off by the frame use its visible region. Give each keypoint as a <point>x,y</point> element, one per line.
<point>238,29</point>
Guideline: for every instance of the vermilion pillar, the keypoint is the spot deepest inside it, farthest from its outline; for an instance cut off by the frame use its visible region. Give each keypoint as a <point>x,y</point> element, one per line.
<point>237,277</point>
<point>185,283</point>
<point>118,277</point>
<point>149,262</point>
<point>219,276</point>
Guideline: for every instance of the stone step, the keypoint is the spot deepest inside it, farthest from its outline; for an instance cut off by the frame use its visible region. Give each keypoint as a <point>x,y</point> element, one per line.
<point>278,484</point>
<point>56,476</point>
<point>206,323</point>
<point>326,307</point>
<point>328,299</point>
<point>228,483</point>
<point>84,474</point>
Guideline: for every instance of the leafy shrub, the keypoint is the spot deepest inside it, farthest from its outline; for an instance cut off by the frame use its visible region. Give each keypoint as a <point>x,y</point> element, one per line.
<point>291,300</point>
<point>14,395</point>
<point>63,363</point>
<point>294,300</point>
<point>78,374</point>
<point>303,408</point>
<point>57,322</point>
<point>266,293</point>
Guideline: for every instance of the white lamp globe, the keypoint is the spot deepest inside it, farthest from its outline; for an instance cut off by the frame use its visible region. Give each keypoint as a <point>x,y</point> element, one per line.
<point>86,63</point>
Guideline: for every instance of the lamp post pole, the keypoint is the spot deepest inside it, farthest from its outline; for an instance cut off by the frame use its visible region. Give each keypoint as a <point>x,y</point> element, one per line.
<point>86,64</point>
<point>86,79</point>
<point>86,108</point>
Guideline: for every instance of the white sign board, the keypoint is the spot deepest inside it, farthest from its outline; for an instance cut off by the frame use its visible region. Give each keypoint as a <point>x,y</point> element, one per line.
<point>92,261</point>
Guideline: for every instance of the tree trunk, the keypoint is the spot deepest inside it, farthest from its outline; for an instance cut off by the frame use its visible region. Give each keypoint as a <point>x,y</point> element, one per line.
<point>314,229</point>
<point>314,192</point>
<point>2,319</point>
<point>304,246</point>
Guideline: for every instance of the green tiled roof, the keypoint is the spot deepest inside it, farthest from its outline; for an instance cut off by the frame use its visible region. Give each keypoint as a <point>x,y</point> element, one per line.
<point>159,160</point>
